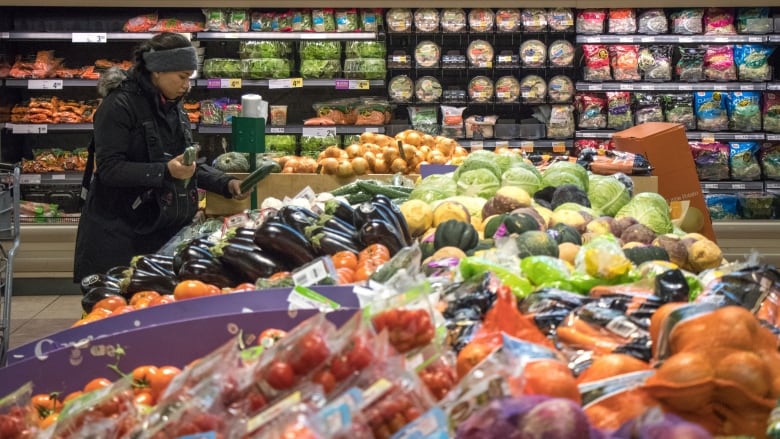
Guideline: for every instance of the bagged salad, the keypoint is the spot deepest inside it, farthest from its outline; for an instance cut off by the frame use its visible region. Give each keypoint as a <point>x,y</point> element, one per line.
<point>619,110</point>
<point>508,20</point>
<point>560,19</point>
<point>711,112</point>
<point>771,112</point>
<point>753,61</point>
<point>371,19</point>
<point>319,50</point>
<point>596,63</point>
<point>719,64</point>
<point>744,111</point>
<point>365,49</point>
<point>719,21</point>
<point>560,89</point>
<point>452,122</point>
<point>648,108</point>
<point>653,21</point>
<point>592,110</point>
<point>722,207</point>
<point>561,123</point>
<point>743,160</point>
<point>753,21</point>
<point>301,20</point>
<point>688,21</point>
<point>690,66</point>
<point>480,127</point>
<point>678,108</point>
<point>711,160</point>
<point>622,21</point>
<point>264,49</point>
<point>625,62</point>
<point>590,21</point>
<point>323,20</point>
<point>425,119</point>
<point>770,160</point>
<point>347,20</point>
<point>262,21</point>
<point>655,62</point>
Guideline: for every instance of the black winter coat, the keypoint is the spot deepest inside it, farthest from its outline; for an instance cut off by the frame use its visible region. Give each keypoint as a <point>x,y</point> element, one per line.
<point>114,220</point>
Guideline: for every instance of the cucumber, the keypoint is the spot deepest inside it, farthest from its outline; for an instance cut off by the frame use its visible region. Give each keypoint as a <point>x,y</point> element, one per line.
<point>263,170</point>
<point>347,189</point>
<point>373,189</point>
<point>359,197</point>
<point>190,155</point>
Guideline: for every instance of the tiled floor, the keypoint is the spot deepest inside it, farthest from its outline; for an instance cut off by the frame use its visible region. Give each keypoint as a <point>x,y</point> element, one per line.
<point>34,317</point>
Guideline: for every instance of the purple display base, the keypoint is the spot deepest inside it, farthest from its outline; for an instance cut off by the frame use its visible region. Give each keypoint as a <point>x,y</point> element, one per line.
<point>192,309</point>
<point>426,170</point>
<point>173,343</point>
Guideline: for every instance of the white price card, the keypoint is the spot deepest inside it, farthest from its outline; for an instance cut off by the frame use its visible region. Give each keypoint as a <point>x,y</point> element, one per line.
<point>400,58</point>
<point>684,87</point>
<point>743,137</point>
<point>285,83</point>
<point>319,132</point>
<point>711,186</point>
<point>626,86</point>
<point>89,37</point>
<point>5,35</point>
<point>58,176</point>
<point>625,40</point>
<point>19,128</point>
<point>224,83</point>
<point>44,84</point>
<point>30,179</point>
<point>647,39</point>
<point>502,143</point>
<point>685,39</point>
<point>276,130</point>
<point>756,39</point>
<point>504,58</point>
<point>371,129</point>
<point>738,186</point>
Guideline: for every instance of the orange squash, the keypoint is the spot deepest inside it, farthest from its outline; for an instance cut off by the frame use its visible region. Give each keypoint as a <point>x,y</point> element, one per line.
<point>610,365</point>
<point>551,378</point>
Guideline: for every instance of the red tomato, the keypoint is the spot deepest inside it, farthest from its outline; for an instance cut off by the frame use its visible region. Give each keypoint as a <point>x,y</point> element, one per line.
<point>143,296</point>
<point>345,275</point>
<point>48,421</point>
<point>122,310</point>
<point>162,300</point>
<point>45,404</point>
<point>312,351</point>
<point>72,395</point>
<point>326,379</point>
<point>280,376</point>
<point>344,259</point>
<point>97,383</point>
<point>340,368</point>
<point>144,398</point>
<point>110,303</point>
<point>189,289</point>
<point>270,336</point>
<point>246,286</point>
<point>143,376</point>
<point>376,252</point>
<point>360,356</point>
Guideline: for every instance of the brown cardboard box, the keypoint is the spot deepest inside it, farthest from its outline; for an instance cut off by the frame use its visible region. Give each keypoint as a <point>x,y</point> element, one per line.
<point>666,147</point>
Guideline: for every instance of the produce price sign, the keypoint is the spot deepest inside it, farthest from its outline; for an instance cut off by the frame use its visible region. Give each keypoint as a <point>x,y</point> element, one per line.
<point>559,147</point>
<point>285,83</point>
<point>44,84</point>
<point>224,83</point>
<point>21,128</point>
<point>93,37</point>
<point>320,132</point>
<point>352,84</point>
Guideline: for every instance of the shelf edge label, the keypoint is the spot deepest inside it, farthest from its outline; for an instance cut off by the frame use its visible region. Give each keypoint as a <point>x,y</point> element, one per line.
<point>224,83</point>
<point>89,37</point>
<point>29,128</point>
<point>44,84</point>
<point>319,132</point>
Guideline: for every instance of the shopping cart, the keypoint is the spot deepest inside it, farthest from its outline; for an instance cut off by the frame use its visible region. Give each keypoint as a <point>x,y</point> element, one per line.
<point>9,243</point>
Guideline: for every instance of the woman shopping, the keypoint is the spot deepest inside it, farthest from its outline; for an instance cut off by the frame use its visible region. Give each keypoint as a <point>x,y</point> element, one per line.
<point>141,192</point>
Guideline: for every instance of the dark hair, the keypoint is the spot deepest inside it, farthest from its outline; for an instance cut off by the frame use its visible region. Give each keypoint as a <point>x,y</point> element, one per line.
<point>162,41</point>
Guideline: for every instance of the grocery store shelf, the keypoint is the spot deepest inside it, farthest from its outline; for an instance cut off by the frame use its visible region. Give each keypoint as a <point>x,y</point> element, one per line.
<point>336,83</point>
<point>773,137</point>
<point>731,186</point>
<point>738,239</point>
<point>17,128</point>
<point>699,135</point>
<point>728,39</point>
<point>670,86</point>
<point>594,134</point>
<point>295,129</point>
<point>528,145</point>
<point>204,36</point>
<point>52,178</point>
<point>773,86</point>
<point>773,39</point>
<point>96,37</point>
<point>63,82</point>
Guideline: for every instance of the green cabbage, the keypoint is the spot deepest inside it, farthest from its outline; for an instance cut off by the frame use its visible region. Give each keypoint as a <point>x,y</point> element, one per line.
<point>607,194</point>
<point>523,178</point>
<point>649,209</point>
<point>478,183</point>
<point>434,187</point>
<point>560,173</point>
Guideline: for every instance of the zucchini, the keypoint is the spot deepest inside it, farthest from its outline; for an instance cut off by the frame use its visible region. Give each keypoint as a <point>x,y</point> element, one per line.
<point>373,189</point>
<point>263,170</point>
<point>347,189</point>
<point>190,155</point>
<point>359,197</point>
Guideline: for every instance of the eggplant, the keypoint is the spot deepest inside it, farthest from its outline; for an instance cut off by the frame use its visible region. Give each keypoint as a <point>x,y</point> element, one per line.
<point>399,216</point>
<point>95,295</point>
<point>249,262</point>
<point>190,252</point>
<point>241,240</point>
<point>366,212</point>
<point>378,231</point>
<point>297,217</point>
<point>341,210</point>
<point>390,218</point>
<point>117,272</point>
<point>140,280</point>
<point>153,263</point>
<point>335,223</point>
<point>244,233</point>
<point>209,271</point>
<point>98,280</point>
<point>315,230</point>
<point>331,243</point>
<point>202,242</point>
<point>284,241</point>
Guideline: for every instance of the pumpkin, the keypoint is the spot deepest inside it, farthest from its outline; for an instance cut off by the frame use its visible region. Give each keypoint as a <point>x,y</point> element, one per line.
<point>455,233</point>
<point>564,233</point>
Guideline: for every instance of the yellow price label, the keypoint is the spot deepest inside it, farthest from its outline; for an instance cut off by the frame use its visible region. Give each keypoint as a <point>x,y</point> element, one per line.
<point>296,82</point>
<point>708,139</point>
<point>362,85</point>
<point>527,146</point>
<point>233,83</point>
<point>559,147</point>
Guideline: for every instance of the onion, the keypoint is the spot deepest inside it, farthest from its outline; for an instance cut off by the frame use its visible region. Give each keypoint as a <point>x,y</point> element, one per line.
<point>398,165</point>
<point>288,170</point>
<point>293,162</point>
<point>413,138</point>
<point>354,150</point>
<point>428,140</point>
<point>329,166</point>
<point>390,154</point>
<point>332,151</point>
<point>380,166</point>
<point>367,137</point>
<point>345,169</point>
<point>370,158</point>
<point>359,165</point>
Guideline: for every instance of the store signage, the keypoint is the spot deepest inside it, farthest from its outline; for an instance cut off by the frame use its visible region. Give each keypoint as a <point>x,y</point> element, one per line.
<point>285,83</point>
<point>276,130</point>
<point>352,84</point>
<point>319,132</point>
<point>559,147</point>
<point>29,128</point>
<point>224,83</point>
<point>44,84</point>
<point>527,146</point>
<point>93,37</point>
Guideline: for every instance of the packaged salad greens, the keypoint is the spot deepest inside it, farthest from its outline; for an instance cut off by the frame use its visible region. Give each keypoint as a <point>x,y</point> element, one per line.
<point>427,54</point>
<point>283,22</point>
<point>622,21</point>
<point>400,88</point>
<point>452,122</point>
<point>481,20</point>
<point>711,112</point>
<point>624,59</point>
<point>301,20</point>
<point>507,89</point>
<point>320,68</point>
<point>770,160</point>
<point>596,63</point>
<point>756,205</point>
<point>285,144</point>
<point>533,53</point>
<point>399,20</point>
<point>743,160</point>
<point>481,89</point>
<point>648,108</point>
<point>690,66</point>
<point>427,89</point>
<point>655,62</point>
<point>365,68</point>
<point>365,49</point>
<point>215,20</point>
<point>533,89</point>
<point>719,21</point>
<point>744,110</point>
<point>323,20</point>
<point>319,50</point>
<point>560,89</point>
<point>619,115</point>
<point>711,160</point>
<point>687,21</point>
<point>561,123</point>
<point>561,53</point>
<point>534,20</point>
<point>590,21</point>
<point>425,119</point>
<point>560,19</point>
<point>722,207</point>
<point>347,20</point>
<point>312,146</point>
<point>237,20</point>
<point>719,64</point>
<point>222,68</point>
<point>453,20</point>
<point>426,20</point>
<point>753,61</point>
<point>261,21</point>
<point>508,20</point>
<point>264,49</point>
<point>753,21</point>
<point>592,110</point>
<point>265,68</point>
<point>771,112</point>
<point>653,21</point>
<point>678,108</point>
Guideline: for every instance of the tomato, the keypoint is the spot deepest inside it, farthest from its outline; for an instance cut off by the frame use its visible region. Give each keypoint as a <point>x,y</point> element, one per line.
<point>98,313</point>
<point>122,310</point>
<point>326,379</point>
<point>45,404</point>
<point>364,271</point>
<point>165,375</point>
<point>280,376</point>
<point>97,383</point>
<point>345,259</point>
<point>143,295</point>
<point>189,289</point>
<point>376,252</point>
<point>71,396</point>
<point>340,368</point>
<point>214,290</point>
<point>246,286</point>
<point>162,300</point>
<point>48,421</point>
<point>407,328</point>
<point>142,303</point>
<point>360,356</point>
<point>312,351</point>
<point>111,303</point>
<point>270,336</point>
<point>144,398</point>
<point>280,275</point>
<point>346,275</point>
<point>143,377</point>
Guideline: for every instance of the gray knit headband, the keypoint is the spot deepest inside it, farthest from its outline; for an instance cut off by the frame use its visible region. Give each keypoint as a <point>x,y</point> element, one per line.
<point>171,60</point>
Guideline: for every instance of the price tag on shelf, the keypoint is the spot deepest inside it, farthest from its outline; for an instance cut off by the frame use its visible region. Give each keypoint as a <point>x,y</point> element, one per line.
<point>744,137</point>
<point>5,35</point>
<point>625,40</point>
<point>285,83</point>
<point>276,130</point>
<point>476,145</point>
<point>527,146</point>
<point>645,87</point>
<point>647,39</point>
<point>594,87</point>
<point>591,40</point>
<point>44,84</point>
<point>502,144</point>
<point>30,179</point>
<point>371,129</point>
<point>685,39</point>
<point>706,138</point>
<point>319,131</point>
<point>58,176</point>
<point>711,186</point>
<point>91,37</point>
<point>628,87</point>
<point>224,83</point>
<point>684,87</point>
<point>773,186</point>
<point>504,58</point>
<point>559,147</point>
<point>352,84</point>
<point>400,58</point>
<point>738,186</point>
<point>720,87</point>
<point>21,128</point>
<point>755,39</point>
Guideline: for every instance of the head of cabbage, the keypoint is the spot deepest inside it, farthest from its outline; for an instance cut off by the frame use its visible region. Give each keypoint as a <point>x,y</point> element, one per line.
<point>560,173</point>
<point>522,177</point>
<point>478,183</point>
<point>434,187</point>
<point>607,194</point>
<point>649,209</point>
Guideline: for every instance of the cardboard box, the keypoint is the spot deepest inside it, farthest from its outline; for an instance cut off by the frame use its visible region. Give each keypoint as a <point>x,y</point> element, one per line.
<point>284,185</point>
<point>665,145</point>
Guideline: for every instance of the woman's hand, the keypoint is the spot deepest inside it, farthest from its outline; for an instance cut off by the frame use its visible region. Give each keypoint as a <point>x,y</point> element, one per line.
<point>235,189</point>
<point>179,170</point>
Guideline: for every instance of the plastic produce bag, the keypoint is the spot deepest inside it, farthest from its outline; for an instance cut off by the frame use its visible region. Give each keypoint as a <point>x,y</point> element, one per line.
<point>771,112</point>
<point>770,160</point>
<point>753,21</point>
<point>596,63</point>
<point>590,21</point>
<point>655,62</point>
<point>591,110</point>
<point>425,119</point>
<point>561,123</point>
<point>752,61</point>
<point>687,21</point>
<point>678,108</point>
<point>719,21</point>
<point>653,21</point>
<point>648,108</point>
<point>744,110</point>
<point>690,66</point>
<point>323,20</point>
<point>744,161</point>
<point>619,110</point>
<point>711,160</point>
<point>622,21</point>
<point>711,110</point>
<point>719,64</point>
<point>624,59</point>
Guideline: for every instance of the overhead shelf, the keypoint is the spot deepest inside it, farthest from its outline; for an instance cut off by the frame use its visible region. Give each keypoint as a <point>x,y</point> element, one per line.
<point>296,129</point>
<point>205,36</point>
<point>529,145</point>
<point>679,39</point>
<point>31,83</point>
<point>671,86</point>
<point>279,83</point>
<point>81,37</point>
<point>692,135</point>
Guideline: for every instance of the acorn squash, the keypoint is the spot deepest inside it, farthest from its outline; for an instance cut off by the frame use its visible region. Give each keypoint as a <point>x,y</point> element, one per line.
<point>455,233</point>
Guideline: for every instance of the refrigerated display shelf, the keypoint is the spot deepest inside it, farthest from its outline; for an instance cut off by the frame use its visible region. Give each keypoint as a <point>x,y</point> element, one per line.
<point>529,145</point>
<point>295,129</point>
<point>81,37</point>
<point>672,86</point>
<point>692,135</point>
<point>679,39</point>
<point>205,36</point>
<point>306,83</point>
